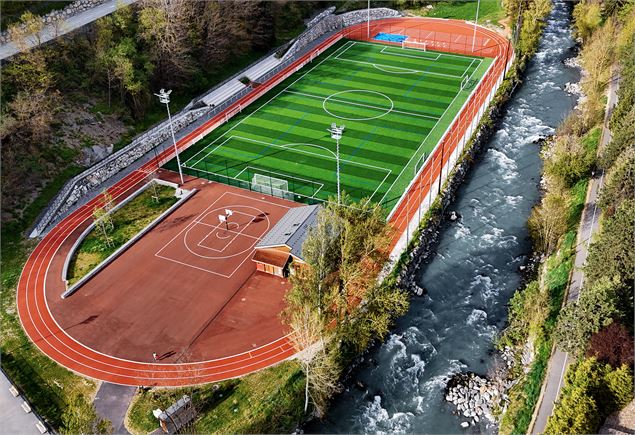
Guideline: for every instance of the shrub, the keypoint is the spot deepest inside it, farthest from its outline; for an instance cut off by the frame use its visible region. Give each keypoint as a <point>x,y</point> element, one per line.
<point>596,308</point>
<point>612,253</point>
<point>587,18</point>
<point>548,220</point>
<point>619,182</point>
<point>612,345</point>
<point>568,159</point>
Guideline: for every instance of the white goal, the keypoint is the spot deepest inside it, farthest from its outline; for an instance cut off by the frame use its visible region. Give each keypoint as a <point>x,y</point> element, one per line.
<point>410,43</point>
<point>271,186</point>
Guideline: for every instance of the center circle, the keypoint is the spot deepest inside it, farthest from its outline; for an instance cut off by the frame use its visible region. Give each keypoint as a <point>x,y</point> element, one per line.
<point>383,108</point>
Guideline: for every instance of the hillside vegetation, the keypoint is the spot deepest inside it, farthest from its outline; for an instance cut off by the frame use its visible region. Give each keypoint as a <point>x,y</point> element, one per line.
<point>597,329</point>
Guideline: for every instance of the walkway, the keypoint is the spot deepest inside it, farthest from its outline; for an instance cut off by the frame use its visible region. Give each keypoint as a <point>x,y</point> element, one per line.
<point>13,416</point>
<point>70,24</point>
<point>589,224</point>
<point>111,403</point>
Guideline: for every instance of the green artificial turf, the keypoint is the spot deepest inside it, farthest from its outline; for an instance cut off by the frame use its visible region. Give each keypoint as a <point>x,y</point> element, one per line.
<point>396,105</point>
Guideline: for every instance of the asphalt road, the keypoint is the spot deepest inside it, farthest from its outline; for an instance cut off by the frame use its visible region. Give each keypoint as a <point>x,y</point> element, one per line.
<point>589,224</point>
<point>72,23</point>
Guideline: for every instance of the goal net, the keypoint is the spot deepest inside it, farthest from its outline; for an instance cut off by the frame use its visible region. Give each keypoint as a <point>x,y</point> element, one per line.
<point>409,43</point>
<point>271,186</point>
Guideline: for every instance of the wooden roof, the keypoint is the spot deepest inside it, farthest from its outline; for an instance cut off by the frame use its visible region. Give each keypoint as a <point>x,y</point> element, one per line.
<point>272,257</point>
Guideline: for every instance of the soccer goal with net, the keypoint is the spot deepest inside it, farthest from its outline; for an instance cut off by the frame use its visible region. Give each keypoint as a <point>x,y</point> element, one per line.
<point>271,186</point>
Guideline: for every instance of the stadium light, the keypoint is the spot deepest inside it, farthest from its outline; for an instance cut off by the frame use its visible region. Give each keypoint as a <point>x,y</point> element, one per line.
<point>164,97</point>
<point>368,21</point>
<point>336,133</point>
<point>478,5</point>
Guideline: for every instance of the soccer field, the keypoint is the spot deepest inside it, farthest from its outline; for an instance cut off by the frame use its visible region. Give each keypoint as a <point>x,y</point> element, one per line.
<point>396,103</point>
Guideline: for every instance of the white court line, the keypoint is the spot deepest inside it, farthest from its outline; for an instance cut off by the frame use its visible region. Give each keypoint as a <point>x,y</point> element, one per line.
<point>188,226</point>
<point>229,231</point>
<point>362,105</point>
<point>220,227</point>
<point>408,55</point>
<point>267,102</point>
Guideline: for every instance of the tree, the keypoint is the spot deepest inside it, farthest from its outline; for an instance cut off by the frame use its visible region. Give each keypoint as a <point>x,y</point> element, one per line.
<point>588,17</point>
<point>26,32</point>
<point>575,413</point>
<point>311,338</point>
<point>612,345</point>
<point>619,182</point>
<point>612,253</point>
<point>548,220</point>
<point>568,159</point>
<point>596,308</point>
<point>165,27</point>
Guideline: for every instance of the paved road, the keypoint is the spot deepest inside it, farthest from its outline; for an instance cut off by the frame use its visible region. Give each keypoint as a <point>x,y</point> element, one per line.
<point>111,403</point>
<point>72,23</point>
<point>589,224</point>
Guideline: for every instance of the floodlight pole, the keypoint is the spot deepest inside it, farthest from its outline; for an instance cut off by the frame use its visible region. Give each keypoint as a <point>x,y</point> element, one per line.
<point>368,19</point>
<point>164,97</point>
<point>478,5</point>
<point>337,158</point>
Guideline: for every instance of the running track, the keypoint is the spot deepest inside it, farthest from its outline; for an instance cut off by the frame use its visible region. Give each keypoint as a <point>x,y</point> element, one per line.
<point>47,335</point>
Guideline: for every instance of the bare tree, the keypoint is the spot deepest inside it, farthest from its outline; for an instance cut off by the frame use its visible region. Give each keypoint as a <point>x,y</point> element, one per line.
<point>320,370</point>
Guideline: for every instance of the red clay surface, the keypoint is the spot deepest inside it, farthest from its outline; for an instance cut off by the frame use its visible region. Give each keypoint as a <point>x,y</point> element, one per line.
<point>173,315</point>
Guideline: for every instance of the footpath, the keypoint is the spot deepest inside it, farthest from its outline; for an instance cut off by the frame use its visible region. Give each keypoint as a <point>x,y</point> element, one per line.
<point>589,224</point>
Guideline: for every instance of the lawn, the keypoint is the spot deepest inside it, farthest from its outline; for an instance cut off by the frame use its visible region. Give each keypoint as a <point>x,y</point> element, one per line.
<point>395,104</point>
<point>128,221</point>
<point>268,401</point>
<point>490,10</point>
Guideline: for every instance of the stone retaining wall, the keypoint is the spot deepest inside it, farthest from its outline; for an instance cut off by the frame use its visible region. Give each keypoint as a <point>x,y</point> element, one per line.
<point>59,15</point>
<point>327,22</point>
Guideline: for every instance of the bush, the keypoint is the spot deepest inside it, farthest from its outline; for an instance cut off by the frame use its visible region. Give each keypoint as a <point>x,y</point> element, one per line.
<point>612,253</point>
<point>587,18</point>
<point>612,345</point>
<point>592,391</point>
<point>596,308</point>
<point>548,220</point>
<point>568,159</point>
<point>619,182</point>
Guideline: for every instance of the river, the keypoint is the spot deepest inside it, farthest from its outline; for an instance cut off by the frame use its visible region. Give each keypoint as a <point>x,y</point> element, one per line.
<point>400,385</point>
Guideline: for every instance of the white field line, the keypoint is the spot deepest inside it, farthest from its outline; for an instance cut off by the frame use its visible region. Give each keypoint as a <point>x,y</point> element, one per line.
<point>264,171</point>
<point>229,231</point>
<point>460,56</point>
<point>383,51</point>
<point>362,104</point>
<point>416,153</point>
<point>396,67</point>
<point>268,101</point>
<point>288,147</point>
<point>458,113</point>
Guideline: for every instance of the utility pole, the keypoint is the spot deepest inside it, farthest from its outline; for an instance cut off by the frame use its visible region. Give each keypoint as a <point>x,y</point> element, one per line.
<point>164,97</point>
<point>368,19</point>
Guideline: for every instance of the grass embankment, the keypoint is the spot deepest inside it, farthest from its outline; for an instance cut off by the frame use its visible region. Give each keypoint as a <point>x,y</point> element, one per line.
<point>269,401</point>
<point>538,325</point>
<point>128,221</point>
<point>490,10</point>
<point>48,386</point>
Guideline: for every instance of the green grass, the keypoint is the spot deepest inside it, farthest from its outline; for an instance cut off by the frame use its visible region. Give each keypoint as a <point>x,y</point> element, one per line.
<point>47,385</point>
<point>490,10</point>
<point>128,221</point>
<point>396,105</point>
<point>524,396</point>
<point>268,401</point>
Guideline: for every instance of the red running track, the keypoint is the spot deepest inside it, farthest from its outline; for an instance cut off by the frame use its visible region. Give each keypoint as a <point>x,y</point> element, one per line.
<point>53,341</point>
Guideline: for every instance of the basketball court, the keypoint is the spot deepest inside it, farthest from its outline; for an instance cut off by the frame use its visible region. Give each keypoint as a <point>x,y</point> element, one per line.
<point>188,290</point>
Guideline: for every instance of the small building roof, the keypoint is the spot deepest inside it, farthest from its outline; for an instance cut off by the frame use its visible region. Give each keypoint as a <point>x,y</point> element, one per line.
<point>271,257</point>
<point>291,230</point>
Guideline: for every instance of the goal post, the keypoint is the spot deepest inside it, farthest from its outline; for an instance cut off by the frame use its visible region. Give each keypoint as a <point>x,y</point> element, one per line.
<point>409,43</point>
<point>271,186</point>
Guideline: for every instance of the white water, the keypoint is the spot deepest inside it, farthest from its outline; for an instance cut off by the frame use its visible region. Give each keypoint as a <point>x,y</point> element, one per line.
<point>475,271</point>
